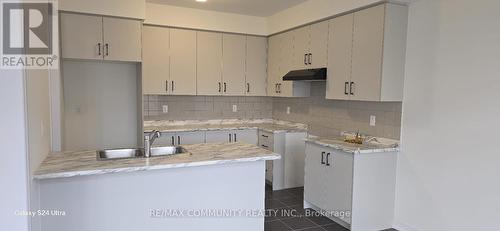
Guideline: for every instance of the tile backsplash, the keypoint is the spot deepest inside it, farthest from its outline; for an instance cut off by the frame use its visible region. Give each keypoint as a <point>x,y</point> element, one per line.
<point>330,117</point>
<point>206,107</point>
<point>324,117</point>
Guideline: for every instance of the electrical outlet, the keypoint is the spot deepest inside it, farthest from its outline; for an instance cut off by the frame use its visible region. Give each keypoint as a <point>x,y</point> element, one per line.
<point>165,108</point>
<point>373,120</point>
<point>288,110</point>
<point>235,108</point>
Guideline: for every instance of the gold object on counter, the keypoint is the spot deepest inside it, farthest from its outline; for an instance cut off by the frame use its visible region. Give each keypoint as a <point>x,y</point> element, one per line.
<point>354,140</point>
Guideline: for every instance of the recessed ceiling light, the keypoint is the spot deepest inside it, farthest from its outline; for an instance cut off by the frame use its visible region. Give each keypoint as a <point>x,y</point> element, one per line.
<point>201,0</point>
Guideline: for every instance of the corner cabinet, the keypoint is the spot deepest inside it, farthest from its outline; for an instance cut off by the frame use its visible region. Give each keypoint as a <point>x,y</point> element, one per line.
<point>166,68</point>
<point>280,59</point>
<point>366,54</point>
<point>100,38</point>
<point>355,190</point>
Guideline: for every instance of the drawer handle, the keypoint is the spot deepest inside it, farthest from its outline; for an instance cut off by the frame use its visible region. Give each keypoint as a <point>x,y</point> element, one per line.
<point>265,136</point>
<point>265,146</point>
<point>322,157</point>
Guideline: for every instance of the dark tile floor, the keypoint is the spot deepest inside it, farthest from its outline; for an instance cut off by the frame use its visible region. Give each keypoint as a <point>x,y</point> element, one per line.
<point>285,213</point>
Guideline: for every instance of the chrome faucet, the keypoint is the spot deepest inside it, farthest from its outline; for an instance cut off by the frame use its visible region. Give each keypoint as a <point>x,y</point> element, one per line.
<point>149,140</point>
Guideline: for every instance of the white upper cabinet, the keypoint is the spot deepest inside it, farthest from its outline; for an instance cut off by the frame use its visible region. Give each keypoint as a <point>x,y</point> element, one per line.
<point>318,52</point>
<point>366,54</point>
<point>339,57</point>
<point>122,39</point>
<point>378,53</point>
<point>310,46</point>
<point>209,64</point>
<point>273,66</point>
<point>81,36</point>
<point>301,44</point>
<point>281,56</point>
<point>156,60</point>
<point>256,66</point>
<point>233,64</point>
<point>182,62</point>
<point>100,38</point>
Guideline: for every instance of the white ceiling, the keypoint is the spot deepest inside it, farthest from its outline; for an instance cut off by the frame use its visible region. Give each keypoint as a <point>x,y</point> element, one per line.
<point>262,8</point>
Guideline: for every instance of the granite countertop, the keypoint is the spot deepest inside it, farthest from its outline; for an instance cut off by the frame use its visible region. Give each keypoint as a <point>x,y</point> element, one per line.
<point>82,163</point>
<point>273,126</point>
<point>378,146</point>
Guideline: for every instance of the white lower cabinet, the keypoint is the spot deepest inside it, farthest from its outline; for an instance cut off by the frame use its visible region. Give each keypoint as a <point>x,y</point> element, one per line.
<point>219,136</point>
<point>287,172</point>
<point>183,138</point>
<point>179,138</point>
<point>247,136</point>
<point>355,190</point>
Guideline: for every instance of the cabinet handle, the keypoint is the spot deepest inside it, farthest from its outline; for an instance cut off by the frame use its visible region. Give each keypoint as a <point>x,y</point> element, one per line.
<point>305,59</point>
<point>350,88</point>
<point>225,87</point>
<point>166,85</point>
<point>107,49</point>
<point>279,88</point>
<point>173,141</point>
<point>328,159</point>
<point>265,136</point>
<point>235,139</point>
<point>99,49</point>
<point>310,58</point>
<point>248,87</point>
<point>345,88</point>
<point>179,141</point>
<point>220,88</point>
<point>265,146</point>
<point>275,88</point>
<point>229,137</point>
<point>322,157</point>
<point>172,86</point>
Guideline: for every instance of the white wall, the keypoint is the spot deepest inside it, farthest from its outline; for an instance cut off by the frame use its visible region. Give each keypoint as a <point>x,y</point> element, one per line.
<point>449,166</point>
<point>159,14</point>
<point>38,120</point>
<point>100,105</point>
<point>120,8</point>
<point>13,167</point>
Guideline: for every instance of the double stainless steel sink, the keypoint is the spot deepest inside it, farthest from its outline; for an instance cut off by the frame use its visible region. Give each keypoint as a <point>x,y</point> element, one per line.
<point>111,154</point>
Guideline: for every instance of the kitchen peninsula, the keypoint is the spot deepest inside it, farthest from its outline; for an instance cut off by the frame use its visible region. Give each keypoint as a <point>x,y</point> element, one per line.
<point>137,193</point>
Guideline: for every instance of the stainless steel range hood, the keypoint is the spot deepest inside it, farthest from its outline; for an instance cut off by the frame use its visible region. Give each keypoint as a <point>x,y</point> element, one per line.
<point>318,74</point>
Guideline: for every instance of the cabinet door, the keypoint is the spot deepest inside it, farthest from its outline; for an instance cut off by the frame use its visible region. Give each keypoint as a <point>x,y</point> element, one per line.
<point>367,53</point>
<point>182,62</point>
<point>318,45</point>
<point>209,63</point>
<point>314,179</point>
<point>183,138</point>
<point>81,36</point>
<point>301,39</point>
<point>122,39</point>
<point>338,182</point>
<point>219,136</point>
<point>248,136</point>
<point>339,57</point>
<point>285,88</point>
<point>274,56</point>
<point>155,60</point>
<point>166,139</point>
<point>256,66</point>
<point>233,63</point>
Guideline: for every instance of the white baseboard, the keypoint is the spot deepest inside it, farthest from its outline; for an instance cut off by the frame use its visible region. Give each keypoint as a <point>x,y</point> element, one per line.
<point>403,227</point>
